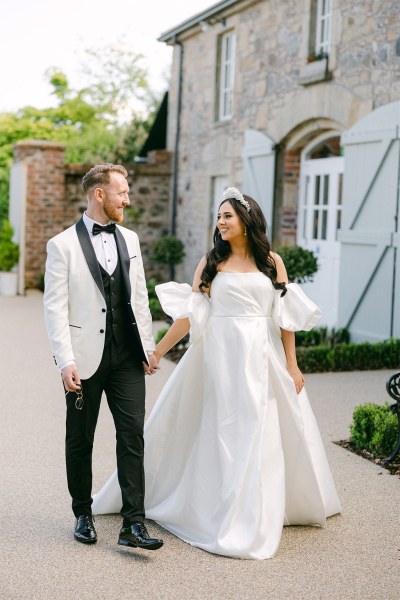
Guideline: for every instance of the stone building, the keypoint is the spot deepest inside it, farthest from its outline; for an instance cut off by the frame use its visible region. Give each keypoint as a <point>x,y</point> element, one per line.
<point>296,102</point>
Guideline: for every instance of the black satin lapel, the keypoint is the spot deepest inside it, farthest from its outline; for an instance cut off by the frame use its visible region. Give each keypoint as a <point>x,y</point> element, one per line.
<point>124,259</point>
<point>90,255</point>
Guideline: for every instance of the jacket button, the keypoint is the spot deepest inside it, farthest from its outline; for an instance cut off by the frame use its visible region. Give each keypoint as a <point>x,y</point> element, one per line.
<point>133,323</point>
<point>103,310</point>
<point>101,330</point>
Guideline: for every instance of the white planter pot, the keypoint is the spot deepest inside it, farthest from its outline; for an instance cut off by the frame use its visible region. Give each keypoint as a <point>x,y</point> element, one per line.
<point>8,283</point>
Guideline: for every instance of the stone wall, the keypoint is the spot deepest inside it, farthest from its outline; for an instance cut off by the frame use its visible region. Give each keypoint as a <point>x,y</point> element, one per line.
<point>54,201</point>
<point>271,95</point>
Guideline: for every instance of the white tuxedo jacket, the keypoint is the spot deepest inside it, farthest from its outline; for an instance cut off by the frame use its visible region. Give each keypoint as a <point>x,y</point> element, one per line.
<point>74,299</point>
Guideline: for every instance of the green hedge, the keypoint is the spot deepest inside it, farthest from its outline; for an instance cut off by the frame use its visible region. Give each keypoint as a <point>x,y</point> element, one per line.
<point>157,312</point>
<point>349,357</point>
<point>374,428</point>
<point>320,336</point>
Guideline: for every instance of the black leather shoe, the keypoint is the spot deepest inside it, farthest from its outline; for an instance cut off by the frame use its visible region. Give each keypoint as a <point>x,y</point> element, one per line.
<point>84,530</point>
<point>136,536</point>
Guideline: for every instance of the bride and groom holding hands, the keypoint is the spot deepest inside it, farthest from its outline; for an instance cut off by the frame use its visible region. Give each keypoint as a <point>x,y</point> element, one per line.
<point>231,450</point>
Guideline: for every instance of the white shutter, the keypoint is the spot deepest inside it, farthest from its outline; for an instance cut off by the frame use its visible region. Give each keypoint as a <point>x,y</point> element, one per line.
<point>369,282</point>
<point>258,156</point>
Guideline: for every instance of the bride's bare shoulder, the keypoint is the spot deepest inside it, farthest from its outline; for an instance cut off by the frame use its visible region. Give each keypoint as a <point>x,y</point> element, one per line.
<point>280,267</point>
<point>197,275</point>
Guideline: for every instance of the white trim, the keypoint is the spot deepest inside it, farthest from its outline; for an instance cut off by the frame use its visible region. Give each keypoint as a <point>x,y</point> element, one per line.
<point>327,135</point>
<point>323,33</point>
<point>170,34</point>
<point>226,75</point>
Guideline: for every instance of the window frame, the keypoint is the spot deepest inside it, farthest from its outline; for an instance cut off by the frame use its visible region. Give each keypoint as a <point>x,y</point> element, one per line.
<point>323,30</point>
<point>226,75</point>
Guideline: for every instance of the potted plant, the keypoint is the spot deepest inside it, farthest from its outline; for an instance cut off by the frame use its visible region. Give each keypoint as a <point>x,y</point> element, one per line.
<point>9,254</point>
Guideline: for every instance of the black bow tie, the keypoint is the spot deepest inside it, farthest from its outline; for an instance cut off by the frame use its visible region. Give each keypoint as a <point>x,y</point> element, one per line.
<point>110,228</point>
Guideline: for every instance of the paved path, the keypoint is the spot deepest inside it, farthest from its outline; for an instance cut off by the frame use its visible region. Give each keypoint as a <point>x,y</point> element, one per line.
<point>357,555</point>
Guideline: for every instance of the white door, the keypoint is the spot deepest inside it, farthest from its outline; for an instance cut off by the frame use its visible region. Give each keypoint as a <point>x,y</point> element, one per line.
<point>369,286</point>
<point>320,207</point>
<point>258,154</point>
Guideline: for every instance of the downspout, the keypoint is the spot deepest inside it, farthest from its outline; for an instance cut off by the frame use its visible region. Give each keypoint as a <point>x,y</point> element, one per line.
<point>395,249</point>
<point>176,148</point>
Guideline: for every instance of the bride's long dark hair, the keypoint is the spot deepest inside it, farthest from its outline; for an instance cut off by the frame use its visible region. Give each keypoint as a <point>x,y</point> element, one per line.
<point>256,231</point>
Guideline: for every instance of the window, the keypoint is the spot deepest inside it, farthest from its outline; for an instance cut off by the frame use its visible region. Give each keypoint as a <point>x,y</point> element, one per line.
<point>323,27</point>
<point>226,72</point>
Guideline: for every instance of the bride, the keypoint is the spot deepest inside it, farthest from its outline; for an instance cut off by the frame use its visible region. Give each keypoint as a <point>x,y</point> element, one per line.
<point>233,451</point>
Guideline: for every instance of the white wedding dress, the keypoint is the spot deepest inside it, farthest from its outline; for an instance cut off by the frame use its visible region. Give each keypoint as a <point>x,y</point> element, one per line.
<point>232,453</point>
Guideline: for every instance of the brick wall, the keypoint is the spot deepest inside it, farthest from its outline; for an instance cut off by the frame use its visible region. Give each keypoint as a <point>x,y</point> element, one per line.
<point>54,201</point>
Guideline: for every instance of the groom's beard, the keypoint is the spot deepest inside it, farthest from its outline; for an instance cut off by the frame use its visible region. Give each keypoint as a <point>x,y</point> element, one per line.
<point>113,212</point>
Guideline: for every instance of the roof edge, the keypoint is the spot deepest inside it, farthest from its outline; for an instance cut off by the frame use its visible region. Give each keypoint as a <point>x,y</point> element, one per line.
<point>192,21</point>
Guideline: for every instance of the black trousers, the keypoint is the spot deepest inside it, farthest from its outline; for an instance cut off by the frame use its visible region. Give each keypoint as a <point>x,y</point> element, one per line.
<point>124,386</point>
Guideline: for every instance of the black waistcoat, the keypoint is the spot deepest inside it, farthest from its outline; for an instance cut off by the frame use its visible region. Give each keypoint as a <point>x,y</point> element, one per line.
<point>119,332</point>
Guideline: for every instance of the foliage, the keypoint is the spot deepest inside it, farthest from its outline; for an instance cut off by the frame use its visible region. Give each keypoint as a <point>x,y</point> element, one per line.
<point>161,333</point>
<point>374,428</point>
<point>9,251</point>
<point>313,359</point>
<point>168,250</point>
<point>301,264</point>
<point>321,335</point>
<point>379,355</point>
<point>180,345</point>
<point>157,312</point>
<point>98,123</point>
<point>350,356</point>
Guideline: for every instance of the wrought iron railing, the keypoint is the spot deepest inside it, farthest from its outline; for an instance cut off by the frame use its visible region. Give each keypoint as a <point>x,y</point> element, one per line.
<point>393,389</point>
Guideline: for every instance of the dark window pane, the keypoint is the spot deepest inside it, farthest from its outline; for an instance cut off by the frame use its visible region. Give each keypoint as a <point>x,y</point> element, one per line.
<point>317,186</point>
<point>324,224</point>
<point>340,190</point>
<point>326,189</point>
<point>315,225</point>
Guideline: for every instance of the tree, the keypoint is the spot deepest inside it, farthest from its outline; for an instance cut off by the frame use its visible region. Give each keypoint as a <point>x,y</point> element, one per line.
<point>98,123</point>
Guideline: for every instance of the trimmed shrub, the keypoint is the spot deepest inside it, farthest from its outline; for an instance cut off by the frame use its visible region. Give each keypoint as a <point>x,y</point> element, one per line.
<point>319,336</point>
<point>301,264</point>
<point>313,359</point>
<point>168,250</point>
<point>364,356</point>
<point>349,357</point>
<point>316,337</point>
<point>157,312</point>
<point>374,428</point>
<point>9,251</point>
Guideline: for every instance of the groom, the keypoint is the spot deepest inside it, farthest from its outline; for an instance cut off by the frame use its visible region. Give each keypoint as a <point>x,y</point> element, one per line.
<point>99,324</point>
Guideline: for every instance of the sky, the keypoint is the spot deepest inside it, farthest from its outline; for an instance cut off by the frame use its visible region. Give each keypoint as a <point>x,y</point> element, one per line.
<point>38,34</point>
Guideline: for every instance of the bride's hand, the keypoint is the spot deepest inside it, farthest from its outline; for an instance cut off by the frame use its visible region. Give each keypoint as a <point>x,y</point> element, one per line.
<point>297,377</point>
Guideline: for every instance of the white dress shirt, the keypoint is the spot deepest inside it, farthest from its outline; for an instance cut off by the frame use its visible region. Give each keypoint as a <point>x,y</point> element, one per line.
<point>104,246</point>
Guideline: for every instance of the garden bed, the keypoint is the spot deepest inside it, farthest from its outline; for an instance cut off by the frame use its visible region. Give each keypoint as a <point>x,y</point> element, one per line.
<point>393,468</point>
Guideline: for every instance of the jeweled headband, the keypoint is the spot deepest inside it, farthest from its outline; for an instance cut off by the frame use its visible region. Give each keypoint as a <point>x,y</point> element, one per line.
<point>232,192</point>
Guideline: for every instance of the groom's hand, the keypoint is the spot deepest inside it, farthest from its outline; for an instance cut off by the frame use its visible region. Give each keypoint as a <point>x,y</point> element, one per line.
<point>153,365</point>
<point>71,379</point>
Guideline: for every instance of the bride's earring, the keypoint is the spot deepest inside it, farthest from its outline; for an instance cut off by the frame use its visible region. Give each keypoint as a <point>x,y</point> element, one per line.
<point>245,232</point>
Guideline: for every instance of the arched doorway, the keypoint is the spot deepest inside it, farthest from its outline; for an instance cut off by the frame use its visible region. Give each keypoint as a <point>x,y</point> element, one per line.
<point>319,218</point>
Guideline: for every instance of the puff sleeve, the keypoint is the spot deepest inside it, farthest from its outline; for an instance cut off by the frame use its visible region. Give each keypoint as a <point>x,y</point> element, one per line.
<point>179,301</point>
<point>295,311</point>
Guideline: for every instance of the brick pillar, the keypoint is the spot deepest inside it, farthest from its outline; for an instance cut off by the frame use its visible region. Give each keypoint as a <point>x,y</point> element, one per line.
<point>45,198</point>
<point>288,217</point>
